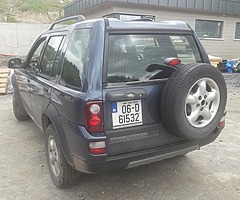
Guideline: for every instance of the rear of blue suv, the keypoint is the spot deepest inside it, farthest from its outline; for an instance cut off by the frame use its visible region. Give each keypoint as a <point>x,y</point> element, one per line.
<point>111,94</point>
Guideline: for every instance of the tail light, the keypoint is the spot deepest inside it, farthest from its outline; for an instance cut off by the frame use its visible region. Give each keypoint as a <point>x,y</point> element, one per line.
<point>93,116</point>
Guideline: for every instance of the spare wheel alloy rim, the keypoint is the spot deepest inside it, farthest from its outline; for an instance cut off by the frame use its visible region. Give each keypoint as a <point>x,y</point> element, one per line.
<point>53,156</point>
<point>202,102</point>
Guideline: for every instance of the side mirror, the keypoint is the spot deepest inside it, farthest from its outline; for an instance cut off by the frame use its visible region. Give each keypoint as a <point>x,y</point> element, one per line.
<point>14,63</point>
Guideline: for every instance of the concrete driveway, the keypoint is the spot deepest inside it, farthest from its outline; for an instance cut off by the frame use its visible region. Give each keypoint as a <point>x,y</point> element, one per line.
<point>211,173</point>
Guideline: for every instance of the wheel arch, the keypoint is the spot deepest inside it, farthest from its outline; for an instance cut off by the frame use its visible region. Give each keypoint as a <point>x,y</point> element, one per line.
<point>52,116</point>
<point>46,121</point>
<point>49,111</point>
<point>15,84</point>
<point>13,80</point>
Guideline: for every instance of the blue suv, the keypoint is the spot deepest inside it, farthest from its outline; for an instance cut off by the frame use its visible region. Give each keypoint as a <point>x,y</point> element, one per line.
<point>110,94</point>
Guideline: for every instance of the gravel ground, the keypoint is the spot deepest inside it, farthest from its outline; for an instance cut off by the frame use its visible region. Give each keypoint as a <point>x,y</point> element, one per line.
<point>211,173</point>
<point>232,80</point>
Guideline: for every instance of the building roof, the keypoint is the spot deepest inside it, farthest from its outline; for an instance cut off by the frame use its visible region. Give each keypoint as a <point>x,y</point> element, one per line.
<point>215,6</point>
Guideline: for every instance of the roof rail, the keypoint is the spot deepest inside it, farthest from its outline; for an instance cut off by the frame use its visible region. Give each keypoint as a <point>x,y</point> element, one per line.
<point>143,19</point>
<point>78,18</point>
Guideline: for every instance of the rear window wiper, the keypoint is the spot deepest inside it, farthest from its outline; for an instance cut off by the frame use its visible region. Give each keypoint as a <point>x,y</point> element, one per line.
<point>154,67</point>
<point>147,81</point>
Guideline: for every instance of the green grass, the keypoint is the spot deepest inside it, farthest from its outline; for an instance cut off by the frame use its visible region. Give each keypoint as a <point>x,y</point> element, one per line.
<point>39,5</point>
<point>8,7</point>
<point>32,5</point>
<point>3,6</point>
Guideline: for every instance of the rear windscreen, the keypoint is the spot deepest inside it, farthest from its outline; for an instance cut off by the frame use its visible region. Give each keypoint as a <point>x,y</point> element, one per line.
<point>129,56</point>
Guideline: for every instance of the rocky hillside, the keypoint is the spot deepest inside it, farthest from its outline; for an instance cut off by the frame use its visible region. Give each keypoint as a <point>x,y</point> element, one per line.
<point>31,11</point>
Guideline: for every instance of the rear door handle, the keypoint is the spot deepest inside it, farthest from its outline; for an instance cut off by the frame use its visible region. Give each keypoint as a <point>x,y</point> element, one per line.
<point>47,89</point>
<point>121,95</point>
<point>32,90</point>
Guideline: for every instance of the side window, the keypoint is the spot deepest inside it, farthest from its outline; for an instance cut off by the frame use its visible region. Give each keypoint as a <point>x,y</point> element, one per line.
<point>57,59</point>
<point>51,56</point>
<point>75,59</point>
<point>34,59</point>
<point>37,53</point>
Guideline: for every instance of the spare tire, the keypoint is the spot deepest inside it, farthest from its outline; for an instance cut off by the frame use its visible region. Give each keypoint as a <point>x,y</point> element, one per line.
<point>194,100</point>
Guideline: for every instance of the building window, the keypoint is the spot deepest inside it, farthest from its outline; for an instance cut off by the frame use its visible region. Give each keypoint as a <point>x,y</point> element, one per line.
<point>208,29</point>
<point>237,31</point>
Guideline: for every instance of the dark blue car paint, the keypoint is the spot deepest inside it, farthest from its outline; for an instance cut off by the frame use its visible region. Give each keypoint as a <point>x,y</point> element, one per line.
<point>44,98</point>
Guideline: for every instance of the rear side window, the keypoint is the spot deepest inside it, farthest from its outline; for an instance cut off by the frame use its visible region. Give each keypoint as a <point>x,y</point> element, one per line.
<point>75,59</point>
<point>51,56</point>
<point>130,55</point>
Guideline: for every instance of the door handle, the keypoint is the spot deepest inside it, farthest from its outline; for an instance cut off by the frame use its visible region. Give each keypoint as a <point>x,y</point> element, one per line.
<point>46,89</point>
<point>32,90</point>
<point>120,95</point>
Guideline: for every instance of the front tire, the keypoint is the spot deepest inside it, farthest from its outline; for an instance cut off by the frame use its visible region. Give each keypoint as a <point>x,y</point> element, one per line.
<point>62,174</point>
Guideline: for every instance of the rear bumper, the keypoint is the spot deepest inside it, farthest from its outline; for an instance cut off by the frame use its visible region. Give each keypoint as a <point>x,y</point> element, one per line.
<point>135,159</point>
<point>75,143</point>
